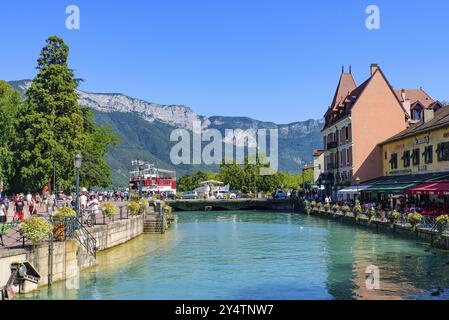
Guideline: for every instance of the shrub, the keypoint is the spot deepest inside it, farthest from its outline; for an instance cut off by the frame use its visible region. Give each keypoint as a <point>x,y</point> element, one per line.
<point>36,229</point>
<point>335,208</point>
<point>109,209</point>
<point>327,207</point>
<point>144,204</point>
<point>64,213</point>
<point>313,203</point>
<point>345,209</point>
<point>414,218</point>
<point>156,196</point>
<point>134,197</point>
<point>168,210</point>
<point>134,207</point>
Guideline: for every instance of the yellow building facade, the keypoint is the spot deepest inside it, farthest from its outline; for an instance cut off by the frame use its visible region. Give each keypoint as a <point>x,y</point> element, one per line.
<point>424,150</point>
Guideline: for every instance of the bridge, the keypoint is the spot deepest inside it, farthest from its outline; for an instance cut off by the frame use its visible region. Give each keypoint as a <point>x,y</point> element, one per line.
<point>231,204</point>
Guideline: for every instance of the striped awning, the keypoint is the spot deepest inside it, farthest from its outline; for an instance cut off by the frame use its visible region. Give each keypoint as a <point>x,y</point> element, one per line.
<point>396,187</point>
<point>430,188</point>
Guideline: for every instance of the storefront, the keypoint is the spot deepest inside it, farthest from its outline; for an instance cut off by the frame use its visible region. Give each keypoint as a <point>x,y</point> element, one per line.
<point>351,193</point>
<point>432,197</point>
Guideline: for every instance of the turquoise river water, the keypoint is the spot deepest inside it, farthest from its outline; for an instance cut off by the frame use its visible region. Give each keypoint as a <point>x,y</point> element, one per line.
<point>261,255</point>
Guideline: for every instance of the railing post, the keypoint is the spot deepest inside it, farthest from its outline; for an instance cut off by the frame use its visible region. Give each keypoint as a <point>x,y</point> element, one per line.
<point>104,219</point>
<point>121,213</point>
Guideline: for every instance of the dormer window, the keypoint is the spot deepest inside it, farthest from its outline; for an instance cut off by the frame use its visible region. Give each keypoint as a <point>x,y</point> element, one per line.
<point>417,112</point>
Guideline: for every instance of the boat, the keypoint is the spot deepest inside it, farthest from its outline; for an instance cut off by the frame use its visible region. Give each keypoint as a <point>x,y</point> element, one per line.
<point>154,180</point>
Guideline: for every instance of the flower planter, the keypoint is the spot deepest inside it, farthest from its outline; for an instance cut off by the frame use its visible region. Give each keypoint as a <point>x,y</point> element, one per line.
<point>59,231</point>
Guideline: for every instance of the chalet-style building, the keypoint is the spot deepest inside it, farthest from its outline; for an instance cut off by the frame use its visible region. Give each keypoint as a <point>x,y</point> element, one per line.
<point>361,117</point>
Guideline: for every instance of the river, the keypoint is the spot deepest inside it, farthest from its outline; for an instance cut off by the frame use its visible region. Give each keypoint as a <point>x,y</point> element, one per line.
<point>261,255</point>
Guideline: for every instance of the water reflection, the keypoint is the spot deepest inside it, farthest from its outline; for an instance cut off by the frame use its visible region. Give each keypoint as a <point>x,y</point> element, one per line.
<point>261,255</point>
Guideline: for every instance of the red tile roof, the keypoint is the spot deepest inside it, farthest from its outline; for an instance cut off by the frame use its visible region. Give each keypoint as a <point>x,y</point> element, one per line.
<point>415,95</point>
<point>317,153</point>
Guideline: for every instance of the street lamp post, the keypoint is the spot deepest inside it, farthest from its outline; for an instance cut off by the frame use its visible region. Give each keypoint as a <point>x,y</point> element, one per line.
<point>78,160</point>
<point>140,181</point>
<point>357,182</point>
<point>54,179</point>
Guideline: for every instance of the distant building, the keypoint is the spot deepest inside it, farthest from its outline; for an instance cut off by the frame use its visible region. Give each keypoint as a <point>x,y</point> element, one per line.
<point>318,165</point>
<point>308,171</point>
<point>361,117</point>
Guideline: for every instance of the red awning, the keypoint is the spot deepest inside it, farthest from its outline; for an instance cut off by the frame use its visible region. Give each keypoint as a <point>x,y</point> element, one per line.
<point>435,188</point>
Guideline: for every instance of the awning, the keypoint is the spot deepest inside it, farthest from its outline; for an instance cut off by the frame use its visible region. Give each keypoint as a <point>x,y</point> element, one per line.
<point>396,187</point>
<point>353,189</point>
<point>431,188</point>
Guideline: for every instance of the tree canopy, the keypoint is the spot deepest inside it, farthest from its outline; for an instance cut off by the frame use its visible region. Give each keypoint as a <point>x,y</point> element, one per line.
<point>51,128</point>
<point>9,106</point>
<point>247,178</point>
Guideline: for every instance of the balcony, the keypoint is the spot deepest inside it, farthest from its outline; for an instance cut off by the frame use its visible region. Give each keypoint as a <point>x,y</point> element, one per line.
<point>332,145</point>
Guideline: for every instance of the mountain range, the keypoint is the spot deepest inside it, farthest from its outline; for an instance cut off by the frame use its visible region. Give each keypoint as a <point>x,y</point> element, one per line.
<point>144,130</point>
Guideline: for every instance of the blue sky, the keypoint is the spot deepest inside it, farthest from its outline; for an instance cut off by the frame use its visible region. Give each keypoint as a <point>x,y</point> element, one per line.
<point>270,60</point>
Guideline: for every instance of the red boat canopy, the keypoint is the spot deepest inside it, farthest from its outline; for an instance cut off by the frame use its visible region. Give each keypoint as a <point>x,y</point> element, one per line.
<point>435,188</point>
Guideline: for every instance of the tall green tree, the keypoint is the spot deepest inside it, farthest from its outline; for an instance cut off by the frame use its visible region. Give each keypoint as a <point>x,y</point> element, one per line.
<point>95,145</point>
<point>9,105</point>
<point>51,127</point>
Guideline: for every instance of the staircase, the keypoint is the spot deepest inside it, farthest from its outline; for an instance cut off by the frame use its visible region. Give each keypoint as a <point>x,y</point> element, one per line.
<point>154,224</point>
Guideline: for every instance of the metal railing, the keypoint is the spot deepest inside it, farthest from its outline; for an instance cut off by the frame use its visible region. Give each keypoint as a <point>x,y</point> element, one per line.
<point>74,229</point>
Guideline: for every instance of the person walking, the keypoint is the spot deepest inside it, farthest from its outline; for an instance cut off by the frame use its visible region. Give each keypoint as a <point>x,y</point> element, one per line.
<point>94,206</point>
<point>83,201</point>
<point>29,198</point>
<point>37,197</point>
<point>32,208</point>
<point>3,213</point>
<point>18,209</point>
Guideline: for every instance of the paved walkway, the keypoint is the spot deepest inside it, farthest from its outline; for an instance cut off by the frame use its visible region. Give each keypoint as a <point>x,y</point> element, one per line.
<point>13,240</point>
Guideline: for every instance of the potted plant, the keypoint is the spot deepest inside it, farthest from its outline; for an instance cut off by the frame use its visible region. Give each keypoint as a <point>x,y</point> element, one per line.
<point>345,209</point>
<point>394,217</point>
<point>60,218</point>
<point>144,205</point>
<point>371,214</point>
<point>134,207</point>
<point>109,210</point>
<point>414,218</point>
<point>36,229</point>
<point>327,207</point>
<point>357,211</point>
<point>335,208</point>
<point>168,210</point>
<point>442,223</point>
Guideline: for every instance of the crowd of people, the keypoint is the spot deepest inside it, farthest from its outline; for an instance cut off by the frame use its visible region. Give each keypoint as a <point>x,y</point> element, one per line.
<point>16,208</point>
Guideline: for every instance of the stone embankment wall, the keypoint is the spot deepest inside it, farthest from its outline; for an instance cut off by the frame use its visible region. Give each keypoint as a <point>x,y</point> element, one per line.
<point>425,234</point>
<point>69,256</point>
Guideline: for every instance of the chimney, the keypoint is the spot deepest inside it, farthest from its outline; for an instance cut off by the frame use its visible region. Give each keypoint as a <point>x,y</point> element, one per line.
<point>406,103</point>
<point>428,114</point>
<point>374,67</point>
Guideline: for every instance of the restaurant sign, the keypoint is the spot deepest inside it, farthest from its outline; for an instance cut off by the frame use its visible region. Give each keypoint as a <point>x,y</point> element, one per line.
<point>422,140</point>
<point>422,168</point>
